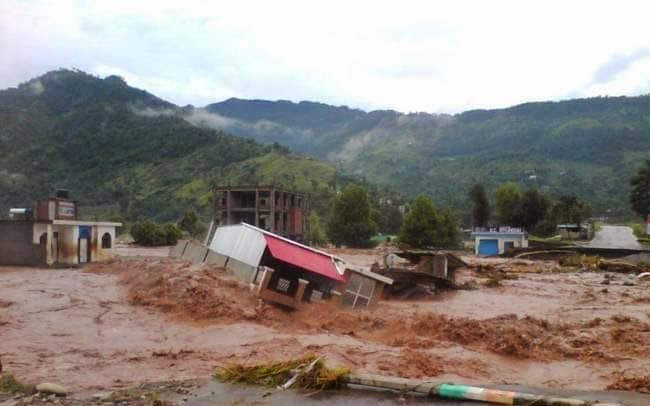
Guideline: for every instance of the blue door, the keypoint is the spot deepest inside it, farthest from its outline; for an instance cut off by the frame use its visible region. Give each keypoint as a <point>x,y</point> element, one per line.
<point>84,244</point>
<point>488,247</point>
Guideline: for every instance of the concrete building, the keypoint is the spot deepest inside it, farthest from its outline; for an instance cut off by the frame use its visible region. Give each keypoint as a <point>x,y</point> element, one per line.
<point>490,241</point>
<point>267,207</point>
<point>51,234</point>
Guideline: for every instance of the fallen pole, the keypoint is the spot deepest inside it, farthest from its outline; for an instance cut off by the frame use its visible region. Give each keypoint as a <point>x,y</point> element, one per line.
<point>467,392</point>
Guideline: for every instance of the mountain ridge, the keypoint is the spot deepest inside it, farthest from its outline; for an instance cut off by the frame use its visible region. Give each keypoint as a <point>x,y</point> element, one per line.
<point>588,147</point>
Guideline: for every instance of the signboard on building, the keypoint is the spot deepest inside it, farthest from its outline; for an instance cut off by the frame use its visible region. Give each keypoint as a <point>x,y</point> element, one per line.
<point>66,210</point>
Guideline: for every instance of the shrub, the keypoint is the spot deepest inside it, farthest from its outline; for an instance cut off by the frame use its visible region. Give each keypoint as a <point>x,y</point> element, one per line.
<point>151,234</point>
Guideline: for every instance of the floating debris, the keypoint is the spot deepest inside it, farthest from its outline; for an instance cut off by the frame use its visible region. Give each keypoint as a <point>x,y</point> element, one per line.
<point>309,372</point>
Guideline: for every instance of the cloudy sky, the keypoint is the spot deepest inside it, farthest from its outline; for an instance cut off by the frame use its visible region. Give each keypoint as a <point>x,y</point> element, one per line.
<point>434,56</point>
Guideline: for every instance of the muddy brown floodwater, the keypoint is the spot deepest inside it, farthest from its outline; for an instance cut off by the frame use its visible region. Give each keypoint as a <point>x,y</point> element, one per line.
<point>125,322</point>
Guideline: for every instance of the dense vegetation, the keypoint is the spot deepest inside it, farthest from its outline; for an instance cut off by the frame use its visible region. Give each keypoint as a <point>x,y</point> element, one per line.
<point>151,234</point>
<point>351,222</point>
<point>585,147</point>
<point>127,155</point>
<point>427,226</point>
<point>640,193</point>
<point>534,210</point>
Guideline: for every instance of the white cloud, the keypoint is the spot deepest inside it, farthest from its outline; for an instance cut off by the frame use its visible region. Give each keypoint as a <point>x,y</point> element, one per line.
<point>442,56</point>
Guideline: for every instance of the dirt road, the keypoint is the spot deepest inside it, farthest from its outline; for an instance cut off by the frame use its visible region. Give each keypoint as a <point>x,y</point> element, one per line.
<point>100,330</point>
<point>615,237</point>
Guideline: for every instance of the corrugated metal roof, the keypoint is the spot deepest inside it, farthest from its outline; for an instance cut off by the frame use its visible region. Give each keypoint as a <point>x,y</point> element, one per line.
<point>307,259</point>
<point>244,244</point>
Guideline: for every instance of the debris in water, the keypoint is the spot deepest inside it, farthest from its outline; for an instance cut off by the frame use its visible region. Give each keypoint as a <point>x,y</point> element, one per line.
<point>308,372</point>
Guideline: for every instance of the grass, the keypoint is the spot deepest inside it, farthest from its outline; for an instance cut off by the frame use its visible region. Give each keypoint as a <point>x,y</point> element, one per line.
<point>597,226</point>
<point>381,238</point>
<point>274,374</point>
<point>10,385</point>
<point>639,231</point>
<point>551,241</point>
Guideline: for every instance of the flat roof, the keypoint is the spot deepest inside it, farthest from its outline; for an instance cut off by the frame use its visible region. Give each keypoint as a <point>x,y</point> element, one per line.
<point>66,222</point>
<point>86,223</point>
<point>498,234</point>
<point>261,187</point>
<point>370,274</point>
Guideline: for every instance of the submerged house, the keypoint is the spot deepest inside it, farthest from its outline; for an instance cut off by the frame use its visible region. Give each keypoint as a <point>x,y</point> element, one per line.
<point>490,241</point>
<point>290,273</point>
<point>51,233</point>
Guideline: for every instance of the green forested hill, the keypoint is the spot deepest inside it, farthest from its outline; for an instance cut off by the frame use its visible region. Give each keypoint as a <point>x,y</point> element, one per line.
<point>589,147</point>
<point>128,153</point>
<point>99,138</point>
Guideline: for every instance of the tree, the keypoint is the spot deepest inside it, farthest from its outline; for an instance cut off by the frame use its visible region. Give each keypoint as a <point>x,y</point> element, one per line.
<point>350,223</point>
<point>150,233</point>
<point>640,193</point>
<point>388,218</point>
<point>533,208</point>
<point>424,226</point>
<point>480,206</point>
<point>508,199</point>
<point>191,224</point>
<point>316,235</point>
<point>570,210</point>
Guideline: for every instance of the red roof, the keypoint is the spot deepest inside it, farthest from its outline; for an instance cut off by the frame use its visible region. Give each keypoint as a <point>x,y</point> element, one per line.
<point>302,257</point>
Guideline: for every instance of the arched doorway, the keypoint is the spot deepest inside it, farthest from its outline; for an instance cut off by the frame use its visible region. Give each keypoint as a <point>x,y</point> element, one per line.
<point>106,241</point>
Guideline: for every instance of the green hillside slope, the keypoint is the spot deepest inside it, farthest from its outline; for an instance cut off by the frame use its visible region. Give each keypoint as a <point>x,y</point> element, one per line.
<point>69,129</point>
<point>589,147</point>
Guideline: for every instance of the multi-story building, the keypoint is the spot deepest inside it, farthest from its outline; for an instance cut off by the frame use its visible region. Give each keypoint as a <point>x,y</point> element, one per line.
<point>267,207</point>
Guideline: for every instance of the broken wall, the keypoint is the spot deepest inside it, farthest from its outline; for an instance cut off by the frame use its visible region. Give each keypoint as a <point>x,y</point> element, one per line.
<point>195,252</point>
<point>16,244</point>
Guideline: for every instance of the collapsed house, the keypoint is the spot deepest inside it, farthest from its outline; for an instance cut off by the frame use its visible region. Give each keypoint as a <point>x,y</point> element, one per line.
<point>289,273</point>
<point>50,233</point>
<point>416,272</point>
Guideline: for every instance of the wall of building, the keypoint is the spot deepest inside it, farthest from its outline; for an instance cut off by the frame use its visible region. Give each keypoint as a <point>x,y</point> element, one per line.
<point>105,253</point>
<point>17,244</point>
<point>519,242</point>
<point>67,244</point>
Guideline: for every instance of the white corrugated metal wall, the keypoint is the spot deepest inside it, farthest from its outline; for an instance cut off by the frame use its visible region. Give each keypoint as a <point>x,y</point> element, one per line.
<point>239,242</point>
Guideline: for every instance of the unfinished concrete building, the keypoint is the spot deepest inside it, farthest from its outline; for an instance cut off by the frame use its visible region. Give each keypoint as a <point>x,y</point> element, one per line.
<point>267,207</point>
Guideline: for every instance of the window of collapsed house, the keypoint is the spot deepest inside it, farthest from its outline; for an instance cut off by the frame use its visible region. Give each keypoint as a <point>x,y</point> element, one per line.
<point>285,280</point>
<point>358,291</point>
<point>106,241</point>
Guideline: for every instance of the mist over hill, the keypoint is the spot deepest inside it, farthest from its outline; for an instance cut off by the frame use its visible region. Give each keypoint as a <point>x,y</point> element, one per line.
<point>127,154</point>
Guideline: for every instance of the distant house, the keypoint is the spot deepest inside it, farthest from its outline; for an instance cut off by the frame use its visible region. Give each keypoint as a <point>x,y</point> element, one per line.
<point>574,231</point>
<point>490,241</point>
<point>290,273</point>
<point>51,234</point>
